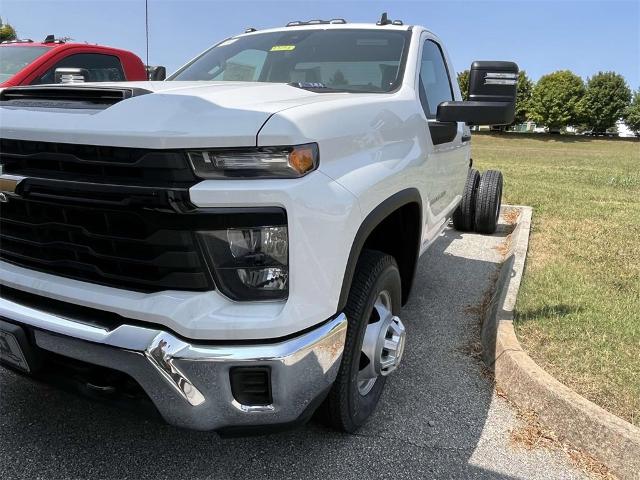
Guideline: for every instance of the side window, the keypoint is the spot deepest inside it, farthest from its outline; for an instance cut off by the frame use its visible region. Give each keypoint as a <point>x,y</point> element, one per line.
<point>435,86</point>
<point>101,68</point>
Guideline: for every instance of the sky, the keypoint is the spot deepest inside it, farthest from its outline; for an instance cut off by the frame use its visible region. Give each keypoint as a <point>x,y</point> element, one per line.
<point>541,36</point>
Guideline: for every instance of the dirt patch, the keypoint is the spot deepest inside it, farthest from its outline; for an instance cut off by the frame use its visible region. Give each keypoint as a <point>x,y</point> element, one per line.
<point>480,311</point>
<point>505,247</point>
<point>510,215</point>
<point>473,349</point>
<point>531,434</point>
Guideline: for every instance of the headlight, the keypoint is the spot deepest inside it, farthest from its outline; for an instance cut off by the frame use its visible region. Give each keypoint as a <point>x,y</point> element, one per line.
<point>264,162</point>
<point>250,263</point>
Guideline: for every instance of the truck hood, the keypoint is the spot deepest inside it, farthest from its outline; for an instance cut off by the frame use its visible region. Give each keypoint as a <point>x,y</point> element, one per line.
<point>173,115</point>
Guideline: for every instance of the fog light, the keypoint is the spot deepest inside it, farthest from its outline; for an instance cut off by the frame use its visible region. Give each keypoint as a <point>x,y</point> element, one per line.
<point>250,263</point>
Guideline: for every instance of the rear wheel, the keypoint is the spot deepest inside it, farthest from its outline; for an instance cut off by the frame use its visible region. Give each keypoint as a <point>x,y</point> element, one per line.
<point>464,215</point>
<point>374,344</point>
<point>488,202</point>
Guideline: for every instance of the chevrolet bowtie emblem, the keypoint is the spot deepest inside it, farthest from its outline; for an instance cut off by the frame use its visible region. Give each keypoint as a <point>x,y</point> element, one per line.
<point>8,185</point>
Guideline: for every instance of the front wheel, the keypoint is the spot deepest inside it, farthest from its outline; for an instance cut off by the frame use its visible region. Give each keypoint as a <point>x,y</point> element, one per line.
<point>374,345</point>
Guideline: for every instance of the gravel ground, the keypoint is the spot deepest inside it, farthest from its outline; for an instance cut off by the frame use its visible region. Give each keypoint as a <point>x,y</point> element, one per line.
<point>439,416</point>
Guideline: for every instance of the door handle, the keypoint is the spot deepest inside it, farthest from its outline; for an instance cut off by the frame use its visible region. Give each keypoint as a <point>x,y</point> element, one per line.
<point>465,138</point>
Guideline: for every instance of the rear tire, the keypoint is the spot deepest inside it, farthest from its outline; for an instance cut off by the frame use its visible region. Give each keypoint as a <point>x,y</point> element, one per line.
<point>488,202</point>
<point>351,400</point>
<point>464,215</point>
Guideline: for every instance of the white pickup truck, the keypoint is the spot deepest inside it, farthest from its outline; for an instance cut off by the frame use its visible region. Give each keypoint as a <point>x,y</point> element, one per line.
<point>234,245</point>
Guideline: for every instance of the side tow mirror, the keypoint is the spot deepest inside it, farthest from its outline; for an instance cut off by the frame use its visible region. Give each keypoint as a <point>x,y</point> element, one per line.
<point>492,96</point>
<point>71,75</point>
<point>157,73</point>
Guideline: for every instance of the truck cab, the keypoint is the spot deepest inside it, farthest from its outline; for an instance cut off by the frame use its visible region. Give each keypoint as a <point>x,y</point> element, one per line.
<point>25,62</point>
<point>236,243</point>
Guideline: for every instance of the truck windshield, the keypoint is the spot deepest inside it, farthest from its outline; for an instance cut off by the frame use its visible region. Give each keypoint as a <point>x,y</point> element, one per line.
<point>14,58</point>
<point>350,60</point>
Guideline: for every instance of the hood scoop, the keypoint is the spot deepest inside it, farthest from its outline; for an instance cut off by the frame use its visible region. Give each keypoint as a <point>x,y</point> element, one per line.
<point>67,96</point>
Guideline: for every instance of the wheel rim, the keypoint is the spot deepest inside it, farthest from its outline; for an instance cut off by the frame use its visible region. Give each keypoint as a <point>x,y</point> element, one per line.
<point>383,344</point>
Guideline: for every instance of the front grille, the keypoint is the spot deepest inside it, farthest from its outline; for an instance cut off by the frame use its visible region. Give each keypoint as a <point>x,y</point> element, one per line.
<point>93,163</point>
<point>126,248</point>
<point>101,214</point>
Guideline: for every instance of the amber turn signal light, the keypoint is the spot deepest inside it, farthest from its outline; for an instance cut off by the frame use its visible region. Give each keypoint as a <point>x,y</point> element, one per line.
<point>302,159</point>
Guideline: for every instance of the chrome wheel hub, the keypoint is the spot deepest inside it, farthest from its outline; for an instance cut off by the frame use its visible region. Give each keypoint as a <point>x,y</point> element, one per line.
<point>383,344</point>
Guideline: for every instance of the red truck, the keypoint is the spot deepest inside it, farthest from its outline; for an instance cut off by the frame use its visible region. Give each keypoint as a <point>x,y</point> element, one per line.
<point>25,62</point>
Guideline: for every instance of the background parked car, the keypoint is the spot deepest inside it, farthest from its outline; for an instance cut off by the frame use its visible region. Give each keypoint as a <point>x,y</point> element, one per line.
<point>594,133</point>
<point>25,62</point>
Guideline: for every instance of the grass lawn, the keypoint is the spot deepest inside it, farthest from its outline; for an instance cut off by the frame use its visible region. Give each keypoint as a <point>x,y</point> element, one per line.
<point>578,310</point>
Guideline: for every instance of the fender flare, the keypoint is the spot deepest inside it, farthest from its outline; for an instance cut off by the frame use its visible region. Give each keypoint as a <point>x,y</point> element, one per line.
<point>371,221</point>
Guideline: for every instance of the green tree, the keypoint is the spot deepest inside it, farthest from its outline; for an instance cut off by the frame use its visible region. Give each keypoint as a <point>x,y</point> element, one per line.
<point>605,99</point>
<point>631,114</point>
<point>463,81</point>
<point>523,98</point>
<point>554,99</point>
<point>7,32</point>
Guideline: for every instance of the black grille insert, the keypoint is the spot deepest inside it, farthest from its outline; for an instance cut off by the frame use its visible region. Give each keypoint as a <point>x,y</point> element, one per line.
<point>86,315</point>
<point>125,248</point>
<point>94,163</point>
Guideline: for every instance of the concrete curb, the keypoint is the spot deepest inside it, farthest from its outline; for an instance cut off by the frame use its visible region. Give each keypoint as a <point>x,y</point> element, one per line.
<point>608,438</point>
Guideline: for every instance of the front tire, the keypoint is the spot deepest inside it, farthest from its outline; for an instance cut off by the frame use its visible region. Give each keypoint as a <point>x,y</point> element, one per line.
<point>373,303</point>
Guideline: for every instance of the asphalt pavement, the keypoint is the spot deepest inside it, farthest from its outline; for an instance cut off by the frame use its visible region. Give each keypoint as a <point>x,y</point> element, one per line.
<point>439,416</point>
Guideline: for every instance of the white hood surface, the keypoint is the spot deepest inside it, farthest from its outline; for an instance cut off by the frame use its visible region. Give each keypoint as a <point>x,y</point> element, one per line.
<point>175,115</point>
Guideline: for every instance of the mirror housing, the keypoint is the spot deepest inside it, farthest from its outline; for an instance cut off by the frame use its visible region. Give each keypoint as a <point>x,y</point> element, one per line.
<point>156,73</point>
<point>71,75</point>
<point>492,96</point>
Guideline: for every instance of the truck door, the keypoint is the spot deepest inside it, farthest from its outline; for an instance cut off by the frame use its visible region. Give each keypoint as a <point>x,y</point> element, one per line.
<point>449,155</point>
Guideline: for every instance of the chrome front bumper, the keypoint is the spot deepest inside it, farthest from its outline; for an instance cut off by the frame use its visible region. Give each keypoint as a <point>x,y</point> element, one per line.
<point>189,383</point>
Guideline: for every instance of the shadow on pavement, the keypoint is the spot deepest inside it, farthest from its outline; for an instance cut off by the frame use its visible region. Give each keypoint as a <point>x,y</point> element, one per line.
<point>430,421</point>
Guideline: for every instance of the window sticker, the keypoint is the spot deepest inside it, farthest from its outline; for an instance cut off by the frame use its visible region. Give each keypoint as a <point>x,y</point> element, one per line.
<point>283,48</point>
